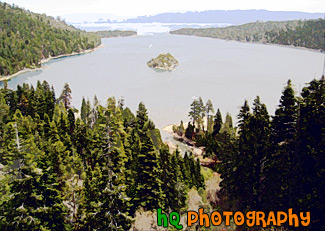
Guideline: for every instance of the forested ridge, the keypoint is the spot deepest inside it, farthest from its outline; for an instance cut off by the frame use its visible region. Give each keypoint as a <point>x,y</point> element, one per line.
<point>26,38</point>
<point>115,33</point>
<point>307,33</point>
<point>61,169</point>
<point>267,163</point>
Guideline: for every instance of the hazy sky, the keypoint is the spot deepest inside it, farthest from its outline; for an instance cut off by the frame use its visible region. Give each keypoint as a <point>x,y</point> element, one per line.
<point>151,7</point>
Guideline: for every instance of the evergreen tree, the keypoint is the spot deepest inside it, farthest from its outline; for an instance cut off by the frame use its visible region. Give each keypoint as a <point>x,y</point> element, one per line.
<point>66,96</point>
<point>83,111</point>
<point>209,109</point>
<point>202,113</point>
<point>189,132</point>
<point>308,161</point>
<point>285,119</point>
<point>278,167</point>
<point>166,176</point>
<point>178,195</point>
<point>259,151</point>
<point>148,169</point>
<point>72,121</point>
<point>197,112</point>
<point>217,123</point>
<point>198,176</point>
<point>35,201</point>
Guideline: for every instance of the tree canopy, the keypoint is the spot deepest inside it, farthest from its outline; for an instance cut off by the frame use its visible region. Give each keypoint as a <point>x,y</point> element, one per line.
<point>26,38</point>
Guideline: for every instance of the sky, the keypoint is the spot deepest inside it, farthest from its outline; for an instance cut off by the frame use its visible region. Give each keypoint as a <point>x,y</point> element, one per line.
<point>127,8</point>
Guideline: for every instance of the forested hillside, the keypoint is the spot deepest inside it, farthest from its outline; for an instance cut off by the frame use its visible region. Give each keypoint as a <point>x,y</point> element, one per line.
<point>309,34</point>
<point>26,38</point>
<point>92,170</point>
<point>115,33</point>
<point>267,163</point>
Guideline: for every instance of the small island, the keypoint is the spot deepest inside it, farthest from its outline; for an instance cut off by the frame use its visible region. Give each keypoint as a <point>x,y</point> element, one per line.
<point>165,62</point>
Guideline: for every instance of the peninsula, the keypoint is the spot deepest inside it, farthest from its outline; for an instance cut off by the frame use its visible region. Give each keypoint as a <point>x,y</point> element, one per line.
<point>165,62</point>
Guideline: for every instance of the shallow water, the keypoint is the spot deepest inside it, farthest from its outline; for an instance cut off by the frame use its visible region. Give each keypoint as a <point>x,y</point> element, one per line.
<point>226,72</point>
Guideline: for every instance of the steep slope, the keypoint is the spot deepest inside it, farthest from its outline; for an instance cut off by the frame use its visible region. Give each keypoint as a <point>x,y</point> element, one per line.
<point>26,38</point>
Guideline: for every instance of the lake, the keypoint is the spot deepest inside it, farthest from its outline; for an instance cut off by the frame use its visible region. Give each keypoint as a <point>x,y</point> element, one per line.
<point>227,72</point>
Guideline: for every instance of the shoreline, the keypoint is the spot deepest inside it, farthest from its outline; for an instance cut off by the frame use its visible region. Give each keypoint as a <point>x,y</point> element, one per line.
<point>198,152</point>
<point>43,61</point>
<point>258,43</point>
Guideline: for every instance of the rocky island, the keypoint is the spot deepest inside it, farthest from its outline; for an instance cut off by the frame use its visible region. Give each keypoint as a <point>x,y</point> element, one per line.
<point>165,62</point>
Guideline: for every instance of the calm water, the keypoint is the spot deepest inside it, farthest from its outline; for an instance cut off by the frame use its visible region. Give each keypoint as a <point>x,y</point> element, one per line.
<point>223,71</point>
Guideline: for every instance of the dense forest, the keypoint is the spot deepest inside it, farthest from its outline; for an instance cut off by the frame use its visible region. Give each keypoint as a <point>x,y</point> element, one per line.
<point>308,33</point>
<point>26,38</point>
<point>93,169</point>
<point>61,169</point>
<point>267,163</point>
<point>115,33</point>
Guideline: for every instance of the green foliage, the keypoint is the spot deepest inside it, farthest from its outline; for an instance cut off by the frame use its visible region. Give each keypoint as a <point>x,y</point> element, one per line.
<point>63,173</point>
<point>197,112</point>
<point>281,161</point>
<point>217,123</point>
<point>65,96</point>
<point>189,131</point>
<point>308,33</point>
<point>208,111</point>
<point>268,160</point>
<point>148,183</point>
<point>163,62</point>
<point>115,33</point>
<point>26,38</point>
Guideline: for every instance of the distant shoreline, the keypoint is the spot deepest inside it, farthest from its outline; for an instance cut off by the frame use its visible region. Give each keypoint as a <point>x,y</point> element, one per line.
<point>258,43</point>
<point>25,70</point>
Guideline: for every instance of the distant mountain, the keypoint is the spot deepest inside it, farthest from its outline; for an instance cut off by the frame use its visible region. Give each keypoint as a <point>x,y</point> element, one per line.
<point>226,16</point>
<point>91,17</point>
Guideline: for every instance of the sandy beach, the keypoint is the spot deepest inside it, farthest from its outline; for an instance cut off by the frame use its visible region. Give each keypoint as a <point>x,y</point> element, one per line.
<point>2,78</point>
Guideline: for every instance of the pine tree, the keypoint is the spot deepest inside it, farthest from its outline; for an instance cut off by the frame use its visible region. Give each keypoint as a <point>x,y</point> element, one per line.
<point>197,112</point>
<point>217,123</point>
<point>65,96</point>
<point>228,126</point>
<point>89,201</point>
<point>198,176</point>
<point>35,202</point>
<point>178,195</point>
<point>186,170</point>
<point>166,176</point>
<point>308,161</point>
<point>243,170</point>
<point>285,119</point>
<point>111,213</point>
<point>72,121</point>
<point>278,167</point>
<point>189,132</point>
<point>148,170</point>
<point>132,148</point>
<point>202,113</point>
<point>209,109</point>
<point>259,151</point>
<point>83,112</point>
